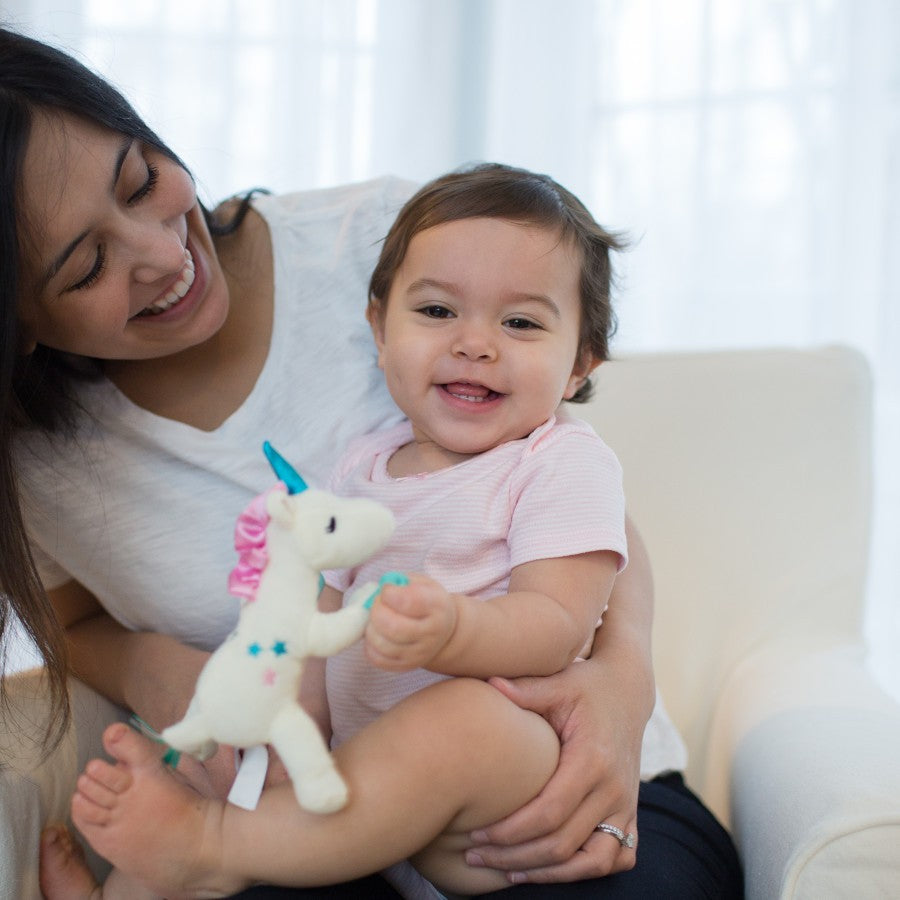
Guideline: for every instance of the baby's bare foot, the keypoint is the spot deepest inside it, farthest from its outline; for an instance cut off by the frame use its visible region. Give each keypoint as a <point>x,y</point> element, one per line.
<point>147,823</point>
<point>64,874</point>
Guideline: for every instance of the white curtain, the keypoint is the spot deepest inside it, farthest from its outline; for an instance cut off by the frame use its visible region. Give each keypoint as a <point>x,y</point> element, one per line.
<point>751,148</point>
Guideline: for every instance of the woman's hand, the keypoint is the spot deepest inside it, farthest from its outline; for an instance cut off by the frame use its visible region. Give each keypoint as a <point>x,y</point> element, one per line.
<point>599,709</point>
<point>553,838</point>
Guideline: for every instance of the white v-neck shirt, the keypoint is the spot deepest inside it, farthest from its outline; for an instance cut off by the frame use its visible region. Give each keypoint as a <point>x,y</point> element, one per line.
<point>141,509</point>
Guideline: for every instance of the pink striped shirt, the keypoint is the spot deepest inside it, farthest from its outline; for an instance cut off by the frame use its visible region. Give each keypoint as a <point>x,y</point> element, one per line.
<point>557,492</point>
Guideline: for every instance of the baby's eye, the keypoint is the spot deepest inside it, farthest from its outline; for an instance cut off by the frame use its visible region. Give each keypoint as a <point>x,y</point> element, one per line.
<point>436,311</point>
<point>519,323</point>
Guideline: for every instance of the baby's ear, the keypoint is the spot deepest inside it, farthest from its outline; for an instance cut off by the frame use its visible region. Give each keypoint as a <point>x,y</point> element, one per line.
<point>375,316</point>
<point>584,365</point>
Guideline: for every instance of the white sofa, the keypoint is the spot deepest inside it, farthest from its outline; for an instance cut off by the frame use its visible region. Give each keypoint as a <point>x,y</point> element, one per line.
<point>748,473</point>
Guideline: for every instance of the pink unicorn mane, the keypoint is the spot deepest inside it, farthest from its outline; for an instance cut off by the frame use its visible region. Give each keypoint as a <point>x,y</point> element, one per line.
<point>250,543</point>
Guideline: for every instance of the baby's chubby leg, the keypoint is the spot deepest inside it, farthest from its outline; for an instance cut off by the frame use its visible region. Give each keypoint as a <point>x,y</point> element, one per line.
<point>494,759</point>
<point>450,759</point>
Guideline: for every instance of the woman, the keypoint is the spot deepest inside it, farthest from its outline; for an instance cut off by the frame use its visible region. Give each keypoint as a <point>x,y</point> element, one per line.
<point>147,352</point>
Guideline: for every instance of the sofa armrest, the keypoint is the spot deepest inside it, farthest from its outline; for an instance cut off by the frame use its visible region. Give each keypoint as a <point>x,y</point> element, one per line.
<point>814,774</point>
<point>36,790</point>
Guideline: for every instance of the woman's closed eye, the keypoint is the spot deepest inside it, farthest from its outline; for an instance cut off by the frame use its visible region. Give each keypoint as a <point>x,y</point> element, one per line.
<point>147,187</point>
<point>93,276</point>
<point>144,191</point>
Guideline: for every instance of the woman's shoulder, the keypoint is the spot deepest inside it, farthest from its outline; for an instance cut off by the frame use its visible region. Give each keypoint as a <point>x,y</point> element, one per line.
<point>376,197</point>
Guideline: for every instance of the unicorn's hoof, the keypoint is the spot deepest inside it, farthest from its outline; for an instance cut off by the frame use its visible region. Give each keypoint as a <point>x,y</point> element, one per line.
<point>205,750</point>
<point>324,793</point>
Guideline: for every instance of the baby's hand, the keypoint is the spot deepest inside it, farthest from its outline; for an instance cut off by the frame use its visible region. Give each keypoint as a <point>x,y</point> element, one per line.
<point>410,624</point>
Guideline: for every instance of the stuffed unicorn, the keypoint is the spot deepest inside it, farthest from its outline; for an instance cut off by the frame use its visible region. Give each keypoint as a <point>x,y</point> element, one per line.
<point>247,692</point>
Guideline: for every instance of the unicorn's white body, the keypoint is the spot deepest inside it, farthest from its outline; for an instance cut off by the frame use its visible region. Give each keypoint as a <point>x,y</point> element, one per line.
<point>247,693</point>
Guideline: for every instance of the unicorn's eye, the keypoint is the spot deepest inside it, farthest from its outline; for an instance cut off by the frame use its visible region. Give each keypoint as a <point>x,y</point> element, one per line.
<point>332,524</point>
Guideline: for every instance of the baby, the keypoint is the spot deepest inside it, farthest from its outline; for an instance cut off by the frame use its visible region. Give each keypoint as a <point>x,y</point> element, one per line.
<point>489,306</point>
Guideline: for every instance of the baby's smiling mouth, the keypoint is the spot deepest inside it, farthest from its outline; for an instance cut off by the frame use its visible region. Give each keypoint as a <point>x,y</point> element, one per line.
<point>176,293</point>
<point>473,393</point>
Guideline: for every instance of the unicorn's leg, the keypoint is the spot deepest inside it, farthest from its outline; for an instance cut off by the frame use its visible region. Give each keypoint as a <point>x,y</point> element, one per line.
<point>191,735</point>
<point>298,741</point>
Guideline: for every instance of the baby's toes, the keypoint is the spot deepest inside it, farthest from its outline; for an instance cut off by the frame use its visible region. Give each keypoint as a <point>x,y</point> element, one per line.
<point>85,812</point>
<point>96,791</point>
<point>130,748</point>
<point>116,779</point>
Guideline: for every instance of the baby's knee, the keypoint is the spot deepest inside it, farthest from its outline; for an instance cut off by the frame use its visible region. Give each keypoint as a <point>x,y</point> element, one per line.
<point>503,754</point>
<point>490,720</point>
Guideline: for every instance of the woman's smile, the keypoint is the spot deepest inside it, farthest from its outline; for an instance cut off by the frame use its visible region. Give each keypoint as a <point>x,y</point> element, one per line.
<point>177,292</point>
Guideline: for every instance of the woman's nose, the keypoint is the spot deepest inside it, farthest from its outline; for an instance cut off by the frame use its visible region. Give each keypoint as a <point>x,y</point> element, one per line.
<point>159,253</point>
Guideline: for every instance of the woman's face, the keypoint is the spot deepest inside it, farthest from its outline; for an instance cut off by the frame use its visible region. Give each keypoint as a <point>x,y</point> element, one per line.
<point>119,261</point>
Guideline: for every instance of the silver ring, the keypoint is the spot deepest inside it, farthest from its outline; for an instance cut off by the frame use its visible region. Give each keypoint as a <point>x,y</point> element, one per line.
<point>625,840</point>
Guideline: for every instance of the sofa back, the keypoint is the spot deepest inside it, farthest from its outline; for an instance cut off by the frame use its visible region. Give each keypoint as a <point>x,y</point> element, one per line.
<point>748,474</point>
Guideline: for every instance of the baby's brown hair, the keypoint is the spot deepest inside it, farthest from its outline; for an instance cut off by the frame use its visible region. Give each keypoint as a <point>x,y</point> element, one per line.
<point>495,191</point>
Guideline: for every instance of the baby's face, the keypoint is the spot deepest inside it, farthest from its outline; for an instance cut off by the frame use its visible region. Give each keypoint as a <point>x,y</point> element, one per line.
<point>479,342</point>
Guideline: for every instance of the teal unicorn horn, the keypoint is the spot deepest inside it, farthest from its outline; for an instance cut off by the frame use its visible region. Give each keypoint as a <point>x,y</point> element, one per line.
<point>284,470</point>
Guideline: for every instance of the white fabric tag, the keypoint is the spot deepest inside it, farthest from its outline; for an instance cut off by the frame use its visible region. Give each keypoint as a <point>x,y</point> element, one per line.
<point>251,775</point>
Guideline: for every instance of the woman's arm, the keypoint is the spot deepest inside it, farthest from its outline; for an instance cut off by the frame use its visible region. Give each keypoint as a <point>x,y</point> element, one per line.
<point>151,674</point>
<point>599,708</point>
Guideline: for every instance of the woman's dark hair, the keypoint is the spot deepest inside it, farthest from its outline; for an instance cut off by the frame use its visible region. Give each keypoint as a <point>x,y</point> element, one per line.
<point>495,191</point>
<point>37,389</point>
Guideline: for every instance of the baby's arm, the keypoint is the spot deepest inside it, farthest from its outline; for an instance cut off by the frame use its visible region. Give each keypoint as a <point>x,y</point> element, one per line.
<point>537,628</point>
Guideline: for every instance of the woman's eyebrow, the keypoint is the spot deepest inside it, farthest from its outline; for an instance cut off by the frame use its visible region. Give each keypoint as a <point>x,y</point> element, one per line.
<point>124,147</point>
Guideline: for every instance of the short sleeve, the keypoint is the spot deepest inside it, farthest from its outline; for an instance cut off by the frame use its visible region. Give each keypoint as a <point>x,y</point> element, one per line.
<point>567,497</point>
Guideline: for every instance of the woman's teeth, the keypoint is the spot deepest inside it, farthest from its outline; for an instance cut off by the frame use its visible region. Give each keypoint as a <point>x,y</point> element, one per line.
<point>179,289</point>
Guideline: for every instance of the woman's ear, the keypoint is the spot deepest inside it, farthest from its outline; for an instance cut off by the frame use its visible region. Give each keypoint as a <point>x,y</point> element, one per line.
<point>584,365</point>
<point>27,341</point>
